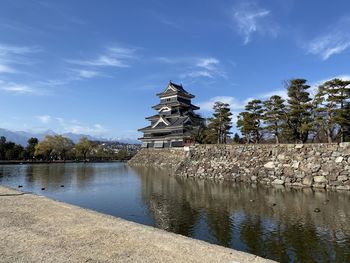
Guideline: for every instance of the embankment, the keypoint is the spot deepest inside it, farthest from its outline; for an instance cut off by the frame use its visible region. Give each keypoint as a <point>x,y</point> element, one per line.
<point>37,229</point>
<point>170,158</point>
<point>298,165</point>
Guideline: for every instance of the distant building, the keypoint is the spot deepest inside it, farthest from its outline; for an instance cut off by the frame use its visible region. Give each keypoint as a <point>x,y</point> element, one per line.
<point>175,122</point>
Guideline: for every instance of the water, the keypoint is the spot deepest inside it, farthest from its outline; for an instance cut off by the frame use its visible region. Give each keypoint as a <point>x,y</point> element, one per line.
<point>276,223</point>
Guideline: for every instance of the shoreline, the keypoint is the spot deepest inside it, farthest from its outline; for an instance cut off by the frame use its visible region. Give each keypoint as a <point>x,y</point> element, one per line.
<point>30,232</point>
<point>2,162</point>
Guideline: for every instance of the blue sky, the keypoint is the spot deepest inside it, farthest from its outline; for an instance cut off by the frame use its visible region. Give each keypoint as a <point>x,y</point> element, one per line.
<point>94,67</point>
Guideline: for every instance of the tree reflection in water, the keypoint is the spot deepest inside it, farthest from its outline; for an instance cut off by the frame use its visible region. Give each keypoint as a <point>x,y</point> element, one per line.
<point>273,222</point>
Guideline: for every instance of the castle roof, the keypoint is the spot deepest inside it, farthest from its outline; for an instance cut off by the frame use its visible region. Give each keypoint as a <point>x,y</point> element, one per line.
<point>174,104</point>
<point>175,89</point>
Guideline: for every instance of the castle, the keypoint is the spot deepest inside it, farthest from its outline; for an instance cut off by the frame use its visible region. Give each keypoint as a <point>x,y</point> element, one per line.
<point>176,122</point>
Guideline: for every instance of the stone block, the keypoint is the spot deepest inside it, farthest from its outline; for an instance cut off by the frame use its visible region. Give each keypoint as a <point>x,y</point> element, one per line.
<point>343,187</point>
<point>295,165</point>
<point>308,180</point>
<point>319,185</point>
<point>320,179</point>
<point>339,159</point>
<point>278,182</point>
<point>269,165</point>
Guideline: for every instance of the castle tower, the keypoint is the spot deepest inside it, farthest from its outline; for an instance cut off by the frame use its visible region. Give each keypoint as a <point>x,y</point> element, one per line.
<point>175,122</point>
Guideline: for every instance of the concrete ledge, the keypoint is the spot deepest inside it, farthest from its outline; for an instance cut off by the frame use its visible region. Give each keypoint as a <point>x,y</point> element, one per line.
<point>37,229</point>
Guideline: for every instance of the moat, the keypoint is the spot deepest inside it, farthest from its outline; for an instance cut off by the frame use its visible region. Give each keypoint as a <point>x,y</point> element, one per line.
<point>272,222</point>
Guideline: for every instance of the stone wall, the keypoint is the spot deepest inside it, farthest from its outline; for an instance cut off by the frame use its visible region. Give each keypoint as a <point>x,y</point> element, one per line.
<point>168,158</point>
<point>299,165</point>
<point>308,165</point>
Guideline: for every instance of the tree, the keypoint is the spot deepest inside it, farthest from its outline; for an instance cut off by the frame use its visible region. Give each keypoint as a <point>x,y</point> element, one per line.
<point>44,148</point>
<point>83,147</point>
<point>220,124</point>
<point>274,115</point>
<point>2,147</point>
<point>346,117</point>
<point>122,154</point>
<point>32,142</point>
<point>237,138</point>
<point>332,98</point>
<point>10,150</point>
<point>249,122</point>
<point>299,122</point>
<point>54,147</point>
<point>62,146</point>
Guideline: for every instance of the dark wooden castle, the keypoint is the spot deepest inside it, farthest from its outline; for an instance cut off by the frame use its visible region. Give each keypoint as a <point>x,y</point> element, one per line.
<point>176,121</point>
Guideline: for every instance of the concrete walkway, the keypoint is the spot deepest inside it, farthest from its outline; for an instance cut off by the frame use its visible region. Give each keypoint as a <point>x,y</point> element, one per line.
<point>37,229</point>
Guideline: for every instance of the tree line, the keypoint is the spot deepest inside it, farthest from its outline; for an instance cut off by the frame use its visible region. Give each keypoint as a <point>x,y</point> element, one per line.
<point>300,118</point>
<point>58,147</point>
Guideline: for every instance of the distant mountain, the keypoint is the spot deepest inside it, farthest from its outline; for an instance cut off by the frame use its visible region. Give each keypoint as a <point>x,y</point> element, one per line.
<point>14,137</point>
<point>21,137</point>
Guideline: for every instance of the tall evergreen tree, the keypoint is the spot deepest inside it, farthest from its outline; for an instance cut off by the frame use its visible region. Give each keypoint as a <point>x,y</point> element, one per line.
<point>299,122</point>
<point>334,96</point>
<point>220,124</point>
<point>274,115</point>
<point>249,122</point>
<point>346,117</point>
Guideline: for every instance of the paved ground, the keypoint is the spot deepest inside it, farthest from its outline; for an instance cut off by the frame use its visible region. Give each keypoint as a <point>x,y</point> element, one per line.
<point>36,229</point>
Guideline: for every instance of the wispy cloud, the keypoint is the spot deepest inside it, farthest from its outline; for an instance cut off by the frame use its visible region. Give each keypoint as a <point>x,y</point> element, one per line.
<point>196,67</point>
<point>234,103</point>
<point>10,55</point>
<point>283,93</point>
<point>75,126</point>
<point>16,88</point>
<point>19,50</point>
<point>249,18</point>
<point>335,41</point>
<point>112,57</point>
<point>44,118</point>
<point>6,69</point>
<point>86,74</point>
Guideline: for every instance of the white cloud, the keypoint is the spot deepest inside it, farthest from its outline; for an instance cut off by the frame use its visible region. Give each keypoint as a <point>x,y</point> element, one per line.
<point>232,101</point>
<point>282,93</point>
<point>6,69</point>
<point>96,129</point>
<point>112,57</point>
<point>335,41</point>
<point>75,126</point>
<point>249,19</point>
<point>196,67</point>
<point>16,88</point>
<point>44,118</point>
<point>19,50</point>
<point>86,74</point>
<point>208,63</point>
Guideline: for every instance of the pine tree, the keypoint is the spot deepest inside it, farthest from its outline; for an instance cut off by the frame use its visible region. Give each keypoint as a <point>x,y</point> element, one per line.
<point>220,124</point>
<point>333,96</point>
<point>342,98</point>
<point>249,122</point>
<point>299,122</point>
<point>236,138</point>
<point>346,124</point>
<point>274,116</point>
